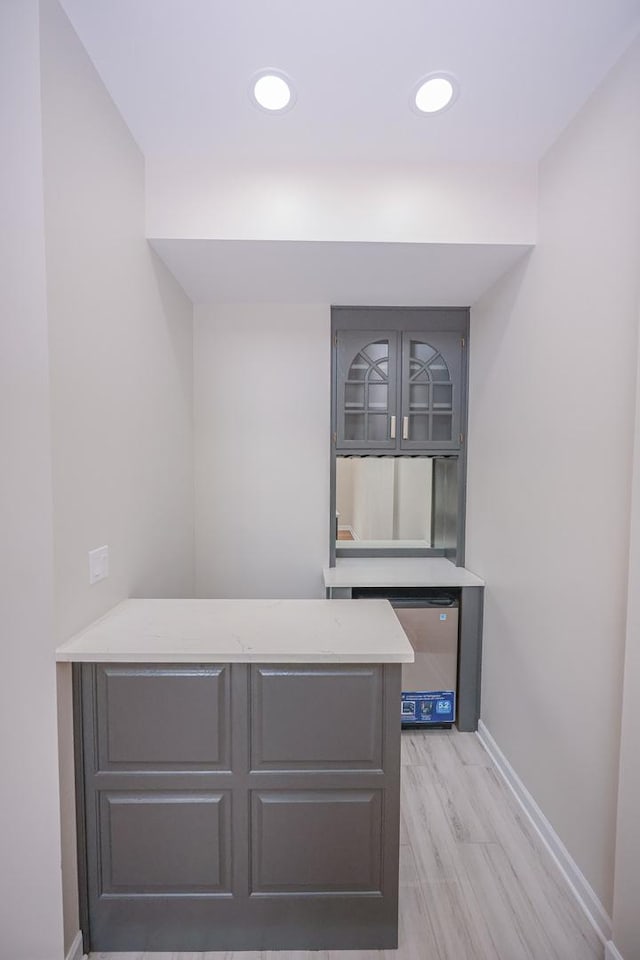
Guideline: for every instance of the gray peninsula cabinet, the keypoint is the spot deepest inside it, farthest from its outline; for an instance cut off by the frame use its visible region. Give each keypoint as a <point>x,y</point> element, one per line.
<point>238,775</point>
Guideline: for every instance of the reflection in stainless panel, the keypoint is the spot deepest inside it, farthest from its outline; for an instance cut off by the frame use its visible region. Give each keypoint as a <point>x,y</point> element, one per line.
<point>445,503</point>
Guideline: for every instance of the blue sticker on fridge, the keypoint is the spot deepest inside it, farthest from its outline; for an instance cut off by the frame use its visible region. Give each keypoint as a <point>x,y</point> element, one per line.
<point>425,707</point>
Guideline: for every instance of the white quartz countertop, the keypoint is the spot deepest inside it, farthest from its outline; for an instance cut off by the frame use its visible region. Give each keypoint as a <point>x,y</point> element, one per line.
<point>398,572</point>
<point>242,631</point>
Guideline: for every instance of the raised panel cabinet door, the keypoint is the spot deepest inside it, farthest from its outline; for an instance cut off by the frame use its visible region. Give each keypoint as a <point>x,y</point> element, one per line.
<point>431,380</point>
<point>367,390</point>
<point>316,841</point>
<point>164,843</point>
<point>316,717</point>
<point>163,717</point>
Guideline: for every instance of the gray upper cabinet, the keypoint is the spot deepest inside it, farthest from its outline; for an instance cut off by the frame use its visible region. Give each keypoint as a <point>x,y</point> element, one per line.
<point>398,391</point>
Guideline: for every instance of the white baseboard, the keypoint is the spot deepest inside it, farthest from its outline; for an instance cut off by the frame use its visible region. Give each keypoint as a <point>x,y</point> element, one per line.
<point>580,887</point>
<point>76,951</point>
<point>611,952</point>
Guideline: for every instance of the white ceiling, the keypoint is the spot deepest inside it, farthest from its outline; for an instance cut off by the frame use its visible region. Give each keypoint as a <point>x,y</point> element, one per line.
<point>386,274</point>
<point>179,72</point>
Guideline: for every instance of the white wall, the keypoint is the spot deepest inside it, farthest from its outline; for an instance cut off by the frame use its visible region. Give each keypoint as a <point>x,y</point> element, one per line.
<point>121,351</point>
<point>262,380</point>
<point>553,368</point>
<point>121,367</point>
<point>435,203</point>
<point>30,881</point>
<point>626,922</point>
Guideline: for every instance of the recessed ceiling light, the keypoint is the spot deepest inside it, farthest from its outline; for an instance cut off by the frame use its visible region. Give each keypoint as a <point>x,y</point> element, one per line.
<point>271,90</point>
<point>435,92</point>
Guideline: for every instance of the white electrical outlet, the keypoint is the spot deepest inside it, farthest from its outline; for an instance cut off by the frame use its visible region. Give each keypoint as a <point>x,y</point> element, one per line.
<point>98,564</point>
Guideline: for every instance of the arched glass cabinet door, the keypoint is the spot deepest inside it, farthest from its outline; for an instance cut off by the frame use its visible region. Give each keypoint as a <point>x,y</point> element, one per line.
<point>366,390</point>
<point>431,385</point>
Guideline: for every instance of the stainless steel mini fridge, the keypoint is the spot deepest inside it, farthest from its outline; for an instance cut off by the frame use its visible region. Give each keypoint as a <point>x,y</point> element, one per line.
<point>429,684</point>
<point>430,620</point>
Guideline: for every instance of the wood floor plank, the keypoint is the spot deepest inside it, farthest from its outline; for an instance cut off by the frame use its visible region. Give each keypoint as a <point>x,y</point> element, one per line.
<point>417,938</point>
<point>427,827</point>
<point>460,929</point>
<point>476,881</point>
<point>442,774</point>
<point>515,927</point>
<point>417,745</point>
<point>547,891</point>
<point>408,869</point>
<point>470,751</point>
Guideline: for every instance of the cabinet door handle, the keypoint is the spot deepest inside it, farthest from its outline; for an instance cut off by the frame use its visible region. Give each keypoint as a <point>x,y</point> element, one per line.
<point>393,428</point>
<point>405,428</point>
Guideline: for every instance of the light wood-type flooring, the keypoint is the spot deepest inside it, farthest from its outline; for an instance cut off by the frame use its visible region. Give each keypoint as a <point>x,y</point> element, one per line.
<point>476,883</point>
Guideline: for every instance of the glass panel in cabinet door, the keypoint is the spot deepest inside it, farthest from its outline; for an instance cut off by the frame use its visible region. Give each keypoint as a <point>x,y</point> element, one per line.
<point>358,369</point>
<point>354,396</point>
<point>442,427</point>
<point>354,427</point>
<point>442,396</point>
<point>421,352</point>
<point>438,369</point>
<point>418,397</point>
<point>418,373</point>
<point>377,427</point>
<point>379,373</point>
<point>377,352</point>
<point>377,397</point>
<point>418,427</point>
